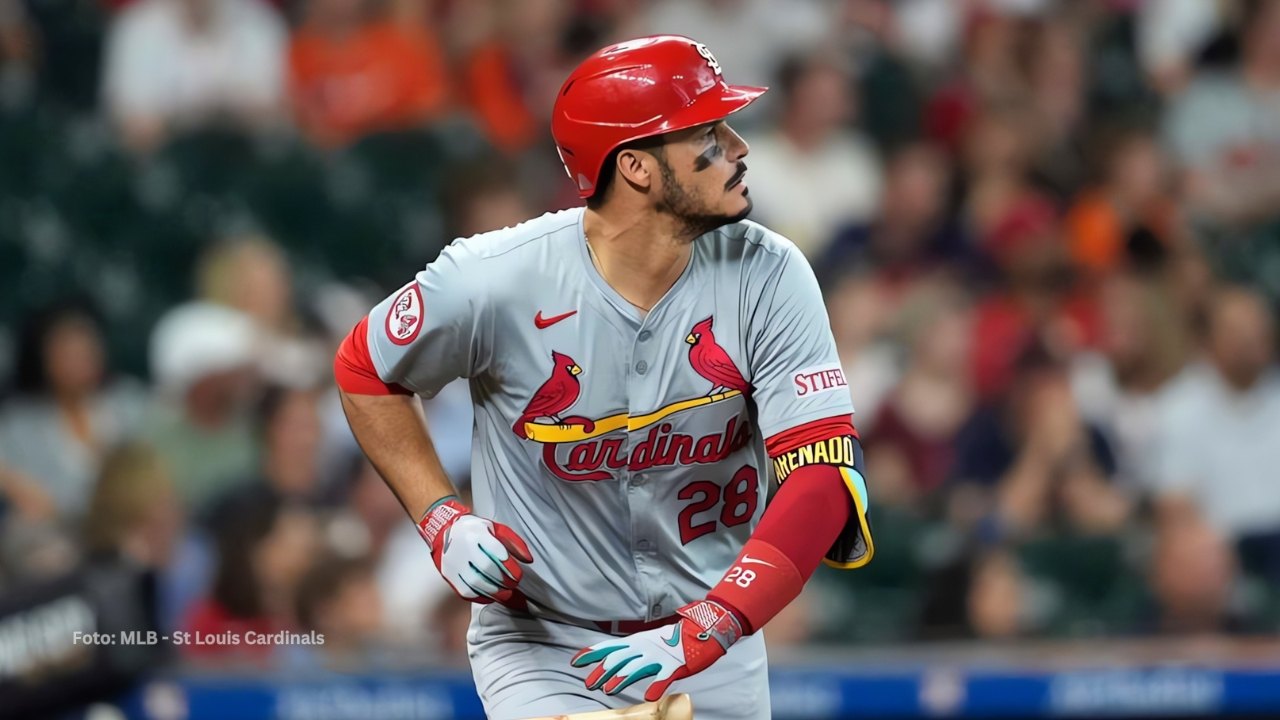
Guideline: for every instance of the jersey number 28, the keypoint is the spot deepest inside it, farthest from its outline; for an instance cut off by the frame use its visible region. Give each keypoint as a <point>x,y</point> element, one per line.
<point>740,498</point>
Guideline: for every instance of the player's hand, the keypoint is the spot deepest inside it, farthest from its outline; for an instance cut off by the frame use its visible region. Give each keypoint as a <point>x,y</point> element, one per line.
<point>479,558</point>
<point>663,655</point>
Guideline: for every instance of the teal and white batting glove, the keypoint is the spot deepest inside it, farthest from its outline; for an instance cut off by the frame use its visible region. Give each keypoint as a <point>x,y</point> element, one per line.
<point>663,655</point>
<point>479,558</point>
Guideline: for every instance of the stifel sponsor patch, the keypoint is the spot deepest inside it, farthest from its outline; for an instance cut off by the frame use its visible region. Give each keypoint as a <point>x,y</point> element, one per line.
<point>817,380</point>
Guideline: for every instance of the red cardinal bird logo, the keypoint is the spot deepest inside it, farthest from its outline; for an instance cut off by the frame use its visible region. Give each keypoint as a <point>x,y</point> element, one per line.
<point>711,361</point>
<point>556,395</point>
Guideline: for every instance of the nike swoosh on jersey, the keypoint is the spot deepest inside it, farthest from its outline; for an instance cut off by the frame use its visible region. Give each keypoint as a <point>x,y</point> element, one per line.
<point>748,560</point>
<point>544,323</point>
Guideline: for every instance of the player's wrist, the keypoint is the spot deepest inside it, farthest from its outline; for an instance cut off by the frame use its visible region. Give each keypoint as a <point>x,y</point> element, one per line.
<point>759,584</point>
<point>442,513</point>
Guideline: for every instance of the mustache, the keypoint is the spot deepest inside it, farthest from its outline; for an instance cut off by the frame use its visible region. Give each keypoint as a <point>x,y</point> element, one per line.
<point>737,175</point>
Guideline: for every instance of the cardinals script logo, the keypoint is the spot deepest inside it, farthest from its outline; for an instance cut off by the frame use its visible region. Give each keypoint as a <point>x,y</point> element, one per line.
<point>592,453</point>
<point>404,319</point>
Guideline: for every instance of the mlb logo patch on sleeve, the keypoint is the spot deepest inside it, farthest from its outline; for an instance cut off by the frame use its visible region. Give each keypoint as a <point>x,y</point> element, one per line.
<point>404,319</point>
<point>816,380</point>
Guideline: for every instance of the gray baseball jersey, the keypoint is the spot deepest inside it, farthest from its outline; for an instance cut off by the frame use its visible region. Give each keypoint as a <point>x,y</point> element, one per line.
<point>626,448</point>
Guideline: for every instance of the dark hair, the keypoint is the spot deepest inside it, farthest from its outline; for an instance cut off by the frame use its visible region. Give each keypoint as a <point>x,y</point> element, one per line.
<point>322,582</point>
<point>29,376</point>
<point>652,144</point>
<point>239,529</point>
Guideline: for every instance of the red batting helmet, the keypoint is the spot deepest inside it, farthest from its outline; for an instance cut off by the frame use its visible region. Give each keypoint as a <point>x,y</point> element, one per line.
<point>636,89</point>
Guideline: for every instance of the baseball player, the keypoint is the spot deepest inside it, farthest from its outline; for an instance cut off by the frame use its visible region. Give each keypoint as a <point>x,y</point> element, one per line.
<point>640,370</point>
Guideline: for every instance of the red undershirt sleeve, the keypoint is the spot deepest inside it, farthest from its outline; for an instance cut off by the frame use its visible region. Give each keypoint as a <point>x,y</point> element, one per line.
<point>353,367</point>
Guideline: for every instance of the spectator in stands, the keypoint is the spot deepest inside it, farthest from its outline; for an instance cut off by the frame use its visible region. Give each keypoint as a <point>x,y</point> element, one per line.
<point>338,598</point>
<point>251,274</point>
<point>175,64</point>
<point>1127,217</point>
<point>69,410</point>
<point>981,596</point>
<point>996,159</point>
<point>1219,438</point>
<point>353,73</point>
<point>812,174</point>
<point>1054,58</point>
<point>911,449</point>
<point>1143,345</point>
<point>1192,575</point>
<point>204,361</point>
<point>914,230</point>
<point>1224,131</point>
<point>511,73</point>
<point>1033,463</point>
<point>263,547</point>
<point>1033,300</point>
<point>990,74</point>
<point>288,424</point>
<point>134,515</point>
<point>862,312</point>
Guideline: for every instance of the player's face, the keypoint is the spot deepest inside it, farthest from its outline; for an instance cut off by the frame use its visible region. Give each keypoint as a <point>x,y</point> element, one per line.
<point>703,177</point>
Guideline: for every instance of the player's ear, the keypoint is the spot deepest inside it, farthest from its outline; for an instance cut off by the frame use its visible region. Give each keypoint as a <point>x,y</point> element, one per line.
<point>638,168</point>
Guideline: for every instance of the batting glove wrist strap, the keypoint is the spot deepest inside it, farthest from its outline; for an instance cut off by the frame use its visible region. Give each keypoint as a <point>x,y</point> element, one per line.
<point>438,519</point>
<point>713,622</point>
<point>759,584</point>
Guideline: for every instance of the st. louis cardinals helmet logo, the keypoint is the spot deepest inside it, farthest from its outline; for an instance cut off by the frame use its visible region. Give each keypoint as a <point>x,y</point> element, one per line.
<point>705,52</point>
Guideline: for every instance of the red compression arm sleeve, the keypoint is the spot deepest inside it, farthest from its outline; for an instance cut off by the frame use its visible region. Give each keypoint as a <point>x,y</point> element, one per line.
<point>812,506</point>
<point>806,516</point>
<point>803,521</point>
<point>353,368</point>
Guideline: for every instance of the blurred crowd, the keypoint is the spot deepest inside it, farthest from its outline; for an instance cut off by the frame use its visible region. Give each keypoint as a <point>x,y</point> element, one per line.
<point>1048,233</point>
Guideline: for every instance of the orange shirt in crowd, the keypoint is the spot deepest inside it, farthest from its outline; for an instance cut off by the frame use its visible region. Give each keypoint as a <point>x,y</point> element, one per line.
<point>1097,233</point>
<point>382,77</point>
<point>496,99</point>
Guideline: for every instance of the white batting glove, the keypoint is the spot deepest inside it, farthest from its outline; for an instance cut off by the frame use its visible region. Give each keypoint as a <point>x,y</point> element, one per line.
<point>479,558</point>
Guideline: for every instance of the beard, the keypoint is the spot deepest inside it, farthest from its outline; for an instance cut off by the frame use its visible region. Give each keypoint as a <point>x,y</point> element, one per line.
<point>689,209</point>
